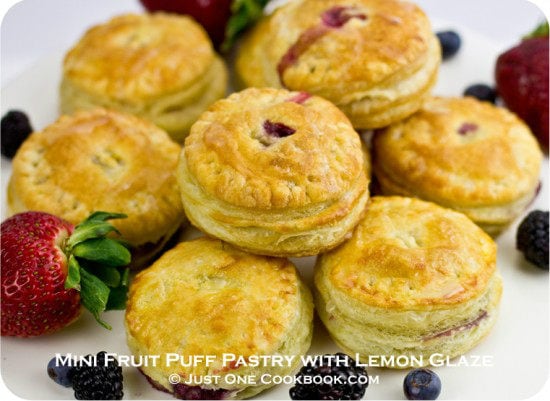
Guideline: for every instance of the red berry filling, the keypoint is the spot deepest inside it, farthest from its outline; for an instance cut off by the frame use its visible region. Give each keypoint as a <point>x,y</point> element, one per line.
<point>185,392</point>
<point>336,17</point>
<point>454,330</point>
<point>466,128</point>
<point>300,98</point>
<point>277,130</point>
<point>333,18</point>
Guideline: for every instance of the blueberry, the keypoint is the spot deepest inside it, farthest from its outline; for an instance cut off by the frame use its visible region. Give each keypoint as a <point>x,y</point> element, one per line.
<point>481,92</point>
<point>422,384</point>
<point>16,127</point>
<point>60,373</point>
<point>450,43</point>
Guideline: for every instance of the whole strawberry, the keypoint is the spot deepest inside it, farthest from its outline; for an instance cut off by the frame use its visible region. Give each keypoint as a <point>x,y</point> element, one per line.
<point>50,268</point>
<point>521,76</point>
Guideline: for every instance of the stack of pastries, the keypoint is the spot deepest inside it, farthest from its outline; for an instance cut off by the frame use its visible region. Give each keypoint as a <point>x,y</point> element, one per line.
<point>278,170</point>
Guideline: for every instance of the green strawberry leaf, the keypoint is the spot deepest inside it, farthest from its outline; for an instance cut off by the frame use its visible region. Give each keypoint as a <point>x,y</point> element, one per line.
<point>117,298</point>
<point>95,265</point>
<point>73,274</point>
<point>95,226</point>
<point>104,251</point>
<point>244,14</point>
<point>94,295</point>
<point>125,279</point>
<point>104,216</point>
<point>541,30</point>
<point>109,275</point>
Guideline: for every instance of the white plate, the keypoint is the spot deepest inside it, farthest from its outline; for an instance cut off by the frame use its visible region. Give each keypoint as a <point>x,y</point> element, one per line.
<point>517,346</point>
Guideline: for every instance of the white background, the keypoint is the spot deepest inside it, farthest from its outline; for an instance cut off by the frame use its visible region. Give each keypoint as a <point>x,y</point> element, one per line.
<point>33,29</point>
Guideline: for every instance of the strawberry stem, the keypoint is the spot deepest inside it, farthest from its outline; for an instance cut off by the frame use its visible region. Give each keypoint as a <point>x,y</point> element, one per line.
<point>95,265</point>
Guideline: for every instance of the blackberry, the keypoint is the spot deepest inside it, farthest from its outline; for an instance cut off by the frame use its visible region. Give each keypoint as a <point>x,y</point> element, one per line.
<point>330,377</point>
<point>100,381</point>
<point>532,238</point>
<point>16,127</point>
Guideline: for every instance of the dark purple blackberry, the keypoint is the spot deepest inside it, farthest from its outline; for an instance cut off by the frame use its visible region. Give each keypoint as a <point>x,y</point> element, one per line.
<point>16,127</point>
<point>532,238</point>
<point>100,381</point>
<point>331,377</point>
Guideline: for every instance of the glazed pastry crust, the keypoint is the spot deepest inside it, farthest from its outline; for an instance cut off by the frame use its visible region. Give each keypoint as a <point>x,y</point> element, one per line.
<point>294,195</point>
<point>377,69</point>
<point>101,160</point>
<point>204,297</point>
<point>159,66</point>
<point>414,279</point>
<point>490,172</point>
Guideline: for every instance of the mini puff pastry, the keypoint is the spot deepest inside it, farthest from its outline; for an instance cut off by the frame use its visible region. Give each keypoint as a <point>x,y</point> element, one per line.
<point>415,279</point>
<point>102,160</point>
<point>463,154</point>
<point>161,67</point>
<point>376,60</point>
<point>274,172</point>
<point>206,298</point>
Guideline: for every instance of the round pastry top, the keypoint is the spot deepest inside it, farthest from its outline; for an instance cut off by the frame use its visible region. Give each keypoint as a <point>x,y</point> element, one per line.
<point>330,46</point>
<point>135,57</point>
<point>461,151</point>
<point>407,254</point>
<point>204,297</point>
<point>101,160</point>
<point>271,148</point>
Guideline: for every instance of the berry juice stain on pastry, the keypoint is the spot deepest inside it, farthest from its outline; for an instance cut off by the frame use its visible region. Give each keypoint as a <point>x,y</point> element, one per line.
<point>466,128</point>
<point>333,18</point>
<point>375,60</point>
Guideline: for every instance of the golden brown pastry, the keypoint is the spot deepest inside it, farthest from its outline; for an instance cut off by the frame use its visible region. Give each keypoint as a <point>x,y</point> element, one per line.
<point>102,160</point>
<point>161,67</point>
<point>464,154</point>
<point>274,172</point>
<point>415,280</point>
<point>205,298</point>
<point>376,60</point>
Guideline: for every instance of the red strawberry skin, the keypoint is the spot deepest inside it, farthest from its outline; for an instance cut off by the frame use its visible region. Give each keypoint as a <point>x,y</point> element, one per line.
<point>34,268</point>
<point>522,82</point>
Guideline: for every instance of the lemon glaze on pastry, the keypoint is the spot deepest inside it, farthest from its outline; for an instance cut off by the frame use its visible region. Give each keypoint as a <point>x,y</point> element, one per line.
<point>204,297</point>
<point>464,154</point>
<point>274,172</point>
<point>376,60</point>
<point>415,279</point>
<point>102,160</point>
<point>161,67</point>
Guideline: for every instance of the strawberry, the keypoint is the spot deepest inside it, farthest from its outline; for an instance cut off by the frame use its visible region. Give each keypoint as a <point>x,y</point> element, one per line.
<point>223,20</point>
<point>521,76</point>
<point>50,268</point>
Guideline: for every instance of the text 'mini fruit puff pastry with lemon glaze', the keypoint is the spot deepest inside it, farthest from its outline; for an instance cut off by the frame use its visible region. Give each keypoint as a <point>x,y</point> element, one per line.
<point>161,67</point>
<point>102,160</point>
<point>376,60</point>
<point>274,172</point>
<point>415,280</point>
<point>206,298</point>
